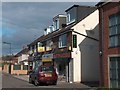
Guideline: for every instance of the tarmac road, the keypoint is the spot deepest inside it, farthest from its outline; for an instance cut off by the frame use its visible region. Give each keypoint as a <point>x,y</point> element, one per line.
<point>11,83</point>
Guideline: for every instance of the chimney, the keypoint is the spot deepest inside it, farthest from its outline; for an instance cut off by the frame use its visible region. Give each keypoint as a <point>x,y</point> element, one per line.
<point>64,25</point>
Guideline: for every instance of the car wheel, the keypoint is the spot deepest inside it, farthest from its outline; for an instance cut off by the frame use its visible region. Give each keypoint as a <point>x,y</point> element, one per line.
<point>55,83</point>
<point>36,83</point>
<point>30,80</point>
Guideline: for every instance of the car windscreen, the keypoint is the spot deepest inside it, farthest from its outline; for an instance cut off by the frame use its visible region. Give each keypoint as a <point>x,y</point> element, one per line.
<point>47,69</point>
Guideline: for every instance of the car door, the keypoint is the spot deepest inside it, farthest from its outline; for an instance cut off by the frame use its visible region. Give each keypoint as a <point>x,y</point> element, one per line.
<point>35,75</point>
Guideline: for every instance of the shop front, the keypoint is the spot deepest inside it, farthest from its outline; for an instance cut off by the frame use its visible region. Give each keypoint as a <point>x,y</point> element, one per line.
<point>47,59</point>
<point>61,63</point>
<point>34,61</point>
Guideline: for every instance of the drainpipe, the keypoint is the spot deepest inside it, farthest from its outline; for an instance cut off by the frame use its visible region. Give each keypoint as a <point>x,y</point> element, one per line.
<point>102,48</point>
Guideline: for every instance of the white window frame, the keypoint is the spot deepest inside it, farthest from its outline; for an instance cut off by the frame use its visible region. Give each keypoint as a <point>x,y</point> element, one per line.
<point>61,40</point>
<point>49,45</point>
<point>56,24</point>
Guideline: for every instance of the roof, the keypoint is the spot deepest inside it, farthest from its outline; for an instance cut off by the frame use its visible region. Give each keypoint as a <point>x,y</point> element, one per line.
<point>78,6</point>
<point>59,15</point>
<point>52,34</point>
<point>71,7</point>
<point>58,32</point>
<point>103,2</point>
<point>23,51</point>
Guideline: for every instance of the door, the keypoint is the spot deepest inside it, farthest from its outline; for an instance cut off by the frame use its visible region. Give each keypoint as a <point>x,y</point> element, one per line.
<point>9,68</point>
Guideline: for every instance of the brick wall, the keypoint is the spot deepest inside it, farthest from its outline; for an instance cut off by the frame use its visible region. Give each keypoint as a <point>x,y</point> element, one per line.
<point>108,9</point>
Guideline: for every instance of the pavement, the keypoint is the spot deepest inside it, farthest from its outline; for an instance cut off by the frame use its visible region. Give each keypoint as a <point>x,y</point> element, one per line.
<point>61,84</point>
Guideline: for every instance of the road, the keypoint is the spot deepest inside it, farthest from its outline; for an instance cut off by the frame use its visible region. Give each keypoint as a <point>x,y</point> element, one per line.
<point>8,81</point>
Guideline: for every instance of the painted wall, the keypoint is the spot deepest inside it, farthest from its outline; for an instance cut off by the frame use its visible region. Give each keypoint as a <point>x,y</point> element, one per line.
<point>86,55</point>
<point>23,57</point>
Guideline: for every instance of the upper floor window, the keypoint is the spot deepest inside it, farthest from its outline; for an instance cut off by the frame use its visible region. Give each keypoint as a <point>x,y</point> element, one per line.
<point>39,44</point>
<point>49,45</point>
<point>71,15</point>
<point>63,41</point>
<point>114,30</point>
<point>56,24</point>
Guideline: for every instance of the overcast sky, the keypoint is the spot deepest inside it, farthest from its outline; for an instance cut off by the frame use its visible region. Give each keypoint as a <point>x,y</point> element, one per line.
<point>23,22</point>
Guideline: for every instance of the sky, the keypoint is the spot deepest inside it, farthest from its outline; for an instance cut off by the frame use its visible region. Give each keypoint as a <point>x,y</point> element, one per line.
<point>23,22</point>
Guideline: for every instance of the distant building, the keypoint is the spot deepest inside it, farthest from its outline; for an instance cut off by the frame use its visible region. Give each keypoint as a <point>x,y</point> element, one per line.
<point>23,56</point>
<point>10,59</point>
<point>109,47</point>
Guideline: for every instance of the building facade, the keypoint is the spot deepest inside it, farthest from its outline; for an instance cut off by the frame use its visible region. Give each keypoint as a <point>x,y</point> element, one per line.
<point>109,33</point>
<point>72,46</point>
<point>23,56</point>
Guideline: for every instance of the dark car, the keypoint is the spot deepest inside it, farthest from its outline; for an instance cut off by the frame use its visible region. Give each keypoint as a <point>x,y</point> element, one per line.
<point>44,74</point>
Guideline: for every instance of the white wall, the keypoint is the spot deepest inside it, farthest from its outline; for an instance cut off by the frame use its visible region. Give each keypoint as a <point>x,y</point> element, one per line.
<point>86,55</point>
<point>23,57</point>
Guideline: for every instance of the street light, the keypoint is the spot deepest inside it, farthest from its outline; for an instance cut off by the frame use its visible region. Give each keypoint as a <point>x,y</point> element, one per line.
<point>8,44</point>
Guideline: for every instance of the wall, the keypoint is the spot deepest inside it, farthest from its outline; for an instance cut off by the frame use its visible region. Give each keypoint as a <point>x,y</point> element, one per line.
<point>86,55</point>
<point>6,68</point>
<point>105,11</point>
<point>18,72</point>
<point>23,57</point>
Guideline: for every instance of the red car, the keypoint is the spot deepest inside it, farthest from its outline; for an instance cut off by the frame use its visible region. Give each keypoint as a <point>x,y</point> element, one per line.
<point>43,74</point>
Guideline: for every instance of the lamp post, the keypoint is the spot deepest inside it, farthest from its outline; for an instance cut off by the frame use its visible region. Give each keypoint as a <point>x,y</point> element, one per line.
<point>8,44</point>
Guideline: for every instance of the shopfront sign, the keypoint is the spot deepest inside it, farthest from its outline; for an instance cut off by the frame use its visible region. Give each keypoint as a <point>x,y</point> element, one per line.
<point>62,55</point>
<point>47,56</point>
<point>41,49</point>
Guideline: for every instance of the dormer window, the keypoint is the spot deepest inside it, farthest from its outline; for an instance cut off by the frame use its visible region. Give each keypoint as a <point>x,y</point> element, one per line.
<point>56,24</point>
<point>49,30</point>
<point>71,15</point>
<point>58,21</point>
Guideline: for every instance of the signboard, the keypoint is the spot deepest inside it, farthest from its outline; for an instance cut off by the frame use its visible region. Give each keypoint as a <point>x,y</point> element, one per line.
<point>62,55</point>
<point>41,49</point>
<point>47,56</point>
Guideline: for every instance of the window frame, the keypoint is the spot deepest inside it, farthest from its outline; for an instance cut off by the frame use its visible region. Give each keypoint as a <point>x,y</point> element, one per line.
<point>61,39</point>
<point>69,14</point>
<point>56,24</point>
<point>114,26</point>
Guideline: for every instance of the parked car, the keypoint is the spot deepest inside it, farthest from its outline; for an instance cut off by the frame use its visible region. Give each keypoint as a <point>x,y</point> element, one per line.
<point>44,74</point>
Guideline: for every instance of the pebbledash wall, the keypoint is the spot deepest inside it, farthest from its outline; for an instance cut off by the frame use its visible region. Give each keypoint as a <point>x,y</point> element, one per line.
<point>86,56</point>
<point>105,11</point>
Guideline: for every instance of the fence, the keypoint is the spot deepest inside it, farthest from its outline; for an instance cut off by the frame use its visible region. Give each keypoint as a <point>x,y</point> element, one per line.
<point>16,69</point>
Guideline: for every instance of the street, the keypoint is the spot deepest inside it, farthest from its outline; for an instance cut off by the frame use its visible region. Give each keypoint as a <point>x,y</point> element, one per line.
<point>8,81</point>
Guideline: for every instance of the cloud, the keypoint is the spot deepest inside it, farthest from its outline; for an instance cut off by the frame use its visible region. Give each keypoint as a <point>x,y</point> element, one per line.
<point>25,21</point>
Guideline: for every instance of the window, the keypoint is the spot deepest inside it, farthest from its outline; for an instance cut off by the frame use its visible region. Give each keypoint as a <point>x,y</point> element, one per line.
<point>114,72</point>
<point>63,41</point>
<point>56,24</point>
<point>49,45</point>
<point>40,44</point>
<point>71,16</point>
<point>114,30</point>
